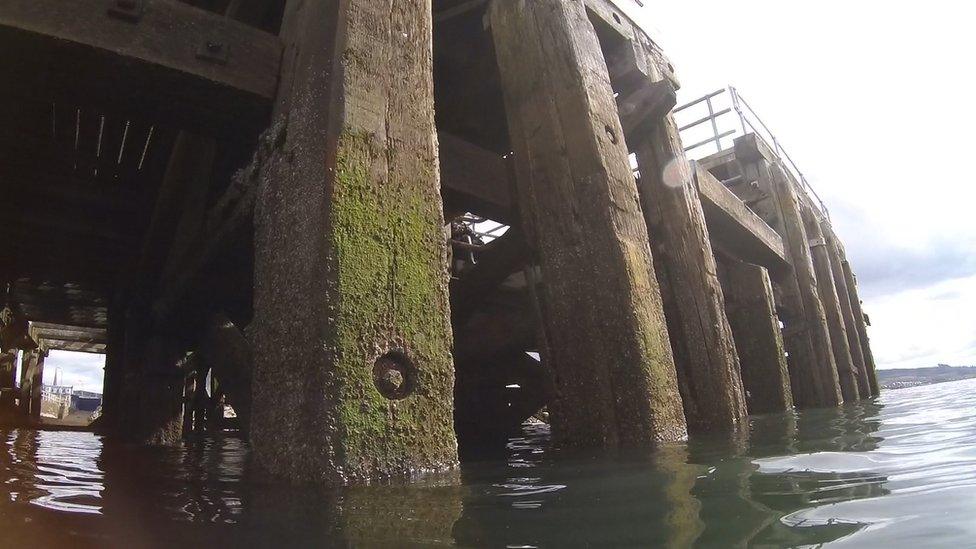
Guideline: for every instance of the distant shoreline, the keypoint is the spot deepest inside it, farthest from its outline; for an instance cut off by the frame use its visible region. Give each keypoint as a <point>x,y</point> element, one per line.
<point>914,377</point>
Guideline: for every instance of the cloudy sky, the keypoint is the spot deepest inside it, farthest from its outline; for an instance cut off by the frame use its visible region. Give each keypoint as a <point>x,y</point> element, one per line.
<point>872,99</point>
<point>80,370</point>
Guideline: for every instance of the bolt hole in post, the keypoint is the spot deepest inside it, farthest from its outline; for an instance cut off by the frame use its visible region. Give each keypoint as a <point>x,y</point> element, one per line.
<point>611,135</point>
<point>394,375</point>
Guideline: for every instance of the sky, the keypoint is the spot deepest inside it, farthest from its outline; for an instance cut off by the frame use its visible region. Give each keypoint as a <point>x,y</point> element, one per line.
<point>872,100</point>
<point>82,371</point>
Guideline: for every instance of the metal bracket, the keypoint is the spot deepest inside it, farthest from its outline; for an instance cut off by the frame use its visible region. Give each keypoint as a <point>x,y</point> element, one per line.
<point>214,50</point>
<point>130,11</point>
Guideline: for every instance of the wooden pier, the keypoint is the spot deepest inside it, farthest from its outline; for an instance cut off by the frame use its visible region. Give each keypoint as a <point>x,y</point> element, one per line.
<point>267,203</point>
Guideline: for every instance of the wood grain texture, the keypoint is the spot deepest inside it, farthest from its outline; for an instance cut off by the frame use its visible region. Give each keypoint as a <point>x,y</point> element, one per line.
<point>605,334</point>
<point>704,350</point>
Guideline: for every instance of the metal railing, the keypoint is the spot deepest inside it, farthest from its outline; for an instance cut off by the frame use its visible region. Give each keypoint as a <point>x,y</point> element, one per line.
<point>748,122</point>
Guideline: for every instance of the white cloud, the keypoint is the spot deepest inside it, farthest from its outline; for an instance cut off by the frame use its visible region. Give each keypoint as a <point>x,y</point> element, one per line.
<point>872,100</point>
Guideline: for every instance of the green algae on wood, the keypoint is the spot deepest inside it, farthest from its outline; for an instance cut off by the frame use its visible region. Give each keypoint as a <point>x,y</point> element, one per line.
<point>350,258</point>
<point>390,298</point>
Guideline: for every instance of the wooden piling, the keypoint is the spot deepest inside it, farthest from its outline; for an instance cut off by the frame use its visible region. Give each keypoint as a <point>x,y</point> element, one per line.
<point>160,401</point>
<point>605,334</point>
<point>850,322</point>
<point>353,376</point>
<point>813,372</point>
<point>8,369</point>
<point>701,339</point>
<point>827,290</point>
<point>31,379</point>
<point>751,311</point>
<point>860,324</point>
<point>114,367</point>
<point>28,362</point>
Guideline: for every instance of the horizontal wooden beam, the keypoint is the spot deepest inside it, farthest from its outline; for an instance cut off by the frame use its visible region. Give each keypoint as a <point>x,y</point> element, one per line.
<point>483,177</point>
<point>73,346</point>
<point>162,59</point>
<point>475,178</point>
<point>46,330</point>
<point>735,229</point>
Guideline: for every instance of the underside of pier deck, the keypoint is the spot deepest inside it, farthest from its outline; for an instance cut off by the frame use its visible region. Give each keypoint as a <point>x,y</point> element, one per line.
<point>274,206</point>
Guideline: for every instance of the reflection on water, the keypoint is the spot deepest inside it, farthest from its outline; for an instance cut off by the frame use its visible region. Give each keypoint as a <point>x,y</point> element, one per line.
<point>898,472</point>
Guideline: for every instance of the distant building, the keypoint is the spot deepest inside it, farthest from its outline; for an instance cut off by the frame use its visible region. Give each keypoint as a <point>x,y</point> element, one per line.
<point>60,401</point>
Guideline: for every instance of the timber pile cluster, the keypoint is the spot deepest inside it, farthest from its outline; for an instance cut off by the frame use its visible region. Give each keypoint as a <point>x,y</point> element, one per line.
<point>251,202</point>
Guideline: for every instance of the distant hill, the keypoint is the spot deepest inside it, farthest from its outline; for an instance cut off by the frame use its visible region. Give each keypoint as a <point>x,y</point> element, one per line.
<point>911,377</point>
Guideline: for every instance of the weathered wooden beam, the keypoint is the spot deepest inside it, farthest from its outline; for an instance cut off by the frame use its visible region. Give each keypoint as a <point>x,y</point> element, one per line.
<point>53,344</point>
<point>8,382</point>
<point>350,286</point>
<point>8,373</point>
<point>704,350</point>
<point>496,262</point>
<point>605,334</point>
<point>813,372</point>
<point>31,377</point>
<point>180,64</point>
<point>736,229</point>
<point>155,413</point>
<point>224,349</point>
<point>847,310</point>
<point>752,314</point>
<point>57,337</point>
<point>189,169</point>
<point>28,360</point>
<point>831,303</point>
<point>74,333</point>
<point>859,323</point>
<point>480,179</point>
<point>114,365</point>
<point>471,176</point>
<point>475,178</point>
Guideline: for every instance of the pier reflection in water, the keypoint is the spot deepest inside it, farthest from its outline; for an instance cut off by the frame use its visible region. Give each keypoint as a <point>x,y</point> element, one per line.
<point>899,472</point>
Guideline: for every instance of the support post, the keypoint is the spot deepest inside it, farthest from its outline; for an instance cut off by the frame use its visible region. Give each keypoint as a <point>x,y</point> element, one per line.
<point>846,373</point>
<point>604,329</point>
<point>701,339</point>
<point>160,421</point>
<point>758,339</point>
<point>114,366</point>
<point>850,322</point>
<point>813,372</point>
<point>28,362</point>
<point>8,382</point>
<point>859,323</point>
<point>353,376</point>
<point>151,393</point>
<point>37,383</point>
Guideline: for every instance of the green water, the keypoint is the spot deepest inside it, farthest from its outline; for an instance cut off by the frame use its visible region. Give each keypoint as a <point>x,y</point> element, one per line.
<point>896,472</point>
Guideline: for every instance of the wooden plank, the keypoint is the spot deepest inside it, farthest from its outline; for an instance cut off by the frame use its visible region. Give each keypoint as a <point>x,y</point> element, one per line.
<point>54,344</point>
<point>751,311</point>
<point>859,323</point>
<point>175,62</point>
<point>850,321</point>
<point>827,290</point>
<point>350,285</point>
<point>496,262</point>
<point>736,229</point>
<point>605,334</point>
<point>813,372</point>
<point>475,178</point>
<point>701,338</point>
